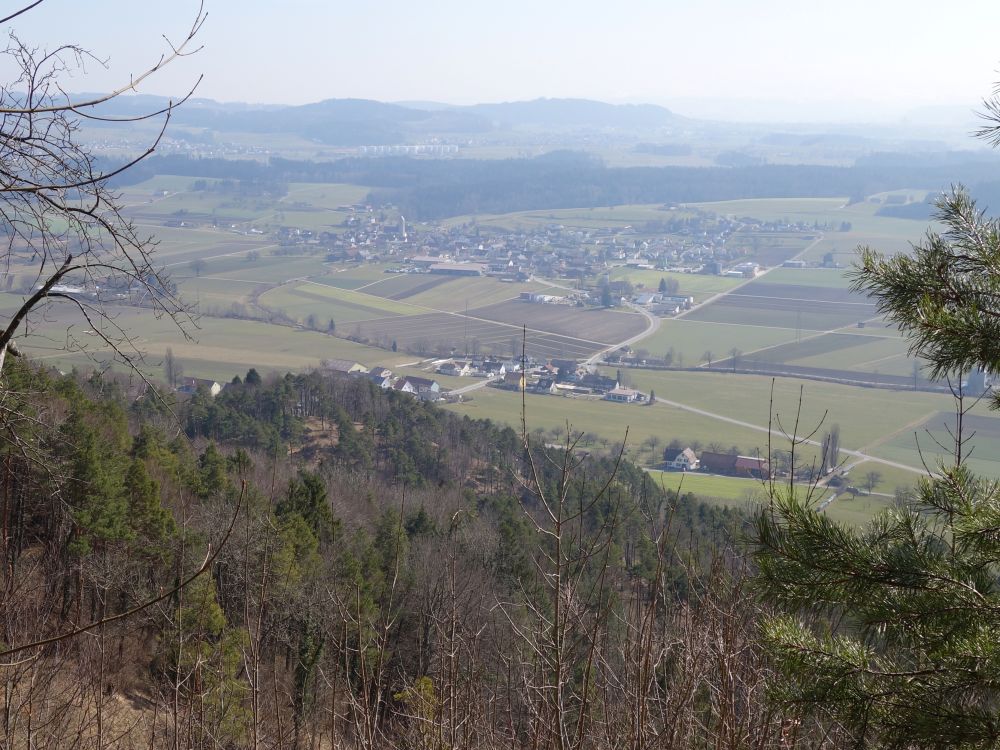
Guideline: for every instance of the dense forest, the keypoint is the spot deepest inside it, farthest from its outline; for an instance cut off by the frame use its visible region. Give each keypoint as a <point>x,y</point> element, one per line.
<point>309,561</point>
<point>427,189</point>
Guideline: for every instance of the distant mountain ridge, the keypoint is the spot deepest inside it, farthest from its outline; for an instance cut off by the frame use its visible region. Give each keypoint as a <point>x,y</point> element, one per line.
<point>573,112</point>
<point>354,122</point>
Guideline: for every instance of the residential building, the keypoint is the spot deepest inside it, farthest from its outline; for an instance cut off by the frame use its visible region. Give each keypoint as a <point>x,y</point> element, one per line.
<point>682,460</point>
<point>514,381</point>
<point>423,388</point>
<point>191,385</point>
<point>344,366</point>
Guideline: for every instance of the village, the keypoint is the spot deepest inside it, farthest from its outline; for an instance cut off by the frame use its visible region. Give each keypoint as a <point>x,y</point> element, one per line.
<point>690,241</point>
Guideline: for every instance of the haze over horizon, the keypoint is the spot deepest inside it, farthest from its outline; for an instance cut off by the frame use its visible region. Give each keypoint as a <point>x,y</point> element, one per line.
<point>773,61</point>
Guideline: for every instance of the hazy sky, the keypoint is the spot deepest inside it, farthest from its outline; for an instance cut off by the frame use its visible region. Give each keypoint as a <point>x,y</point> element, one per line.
<point>850,59</point>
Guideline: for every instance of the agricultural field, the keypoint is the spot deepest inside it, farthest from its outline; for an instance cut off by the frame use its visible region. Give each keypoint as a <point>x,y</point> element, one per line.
<point>794,321</point>
<point>696,285</point>
<point>592,325</point>
<point>931,441</point>
<point>354,276</point>
<point>577,218</point>
<point>609,423</point>
<point>866,228</point>
<point>450,294</point>
<point>217,348</point>
<point>303,298</point>
<point>440,333</point>
<point>834,278</point>
<point>690,340</point>
<point>307,206</point>
<point>709,485</point>
<point>865,415</point>
<point>800,307</point>
<point>846,351</point>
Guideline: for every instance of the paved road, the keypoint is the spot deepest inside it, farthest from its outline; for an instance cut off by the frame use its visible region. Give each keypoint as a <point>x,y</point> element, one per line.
<point>653,324</point>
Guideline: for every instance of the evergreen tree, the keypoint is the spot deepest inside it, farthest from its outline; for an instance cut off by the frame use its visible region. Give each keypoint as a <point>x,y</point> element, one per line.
<point>913,660</point>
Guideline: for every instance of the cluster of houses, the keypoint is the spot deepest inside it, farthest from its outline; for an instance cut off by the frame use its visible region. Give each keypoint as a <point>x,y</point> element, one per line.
<point>425,389</point>
<point>730,464</point>
<point>565,377</point>
<point>691,240</point>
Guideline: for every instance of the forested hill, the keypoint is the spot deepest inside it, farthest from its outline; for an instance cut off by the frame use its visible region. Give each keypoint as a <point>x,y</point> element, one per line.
<point>437,188</point>
<point>384,559</point>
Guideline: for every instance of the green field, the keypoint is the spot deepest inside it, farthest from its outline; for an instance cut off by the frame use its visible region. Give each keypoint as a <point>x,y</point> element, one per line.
<point>835,278</point>
<point>691,339</point>
<point>453,294</point>
<point>709,485</point>
<point>218,348</point>
<point>300,299</point>
<point>609,422</point>
<point>582,218</point>
<point>696,285</point>
<point>880,232</point>
<point>305,206</point>
<point>864,414</point>
<point>354,276</point>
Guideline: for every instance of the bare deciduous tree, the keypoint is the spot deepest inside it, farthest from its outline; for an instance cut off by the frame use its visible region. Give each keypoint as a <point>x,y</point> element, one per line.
<point>62,226</point>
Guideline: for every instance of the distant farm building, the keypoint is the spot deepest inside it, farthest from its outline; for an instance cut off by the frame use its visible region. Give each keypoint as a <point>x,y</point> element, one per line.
<point>425,261</point>
<point>345,366</point>
<point>457,269</point>
<point>681,460</point>
<point>623,396</point>
<point>514,381</point>
<point>538,298</point>
<point>191,385</point>
<point>456,368</point>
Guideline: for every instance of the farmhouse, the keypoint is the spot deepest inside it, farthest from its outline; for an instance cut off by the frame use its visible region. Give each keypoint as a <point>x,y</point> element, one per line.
<point>514,381</point>
<point>456,368</point>
<point>345,366</point>
<point>544,385</point>
<point>598,383</point>
<point>680,300</point>
<point>191,385</point>
<point>681,460</point>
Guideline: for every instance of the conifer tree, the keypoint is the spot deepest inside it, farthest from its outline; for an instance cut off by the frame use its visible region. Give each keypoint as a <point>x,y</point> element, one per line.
<point>894,630</point>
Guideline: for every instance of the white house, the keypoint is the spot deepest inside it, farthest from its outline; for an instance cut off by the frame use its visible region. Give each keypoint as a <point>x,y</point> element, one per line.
<point>191,385</point>
<point>623,395</point>
<point>685,460</point>
<point>423,388</point>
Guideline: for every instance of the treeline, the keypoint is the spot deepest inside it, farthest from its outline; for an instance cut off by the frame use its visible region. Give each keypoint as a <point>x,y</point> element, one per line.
<point>378,573</point>
<point>437,188</point>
